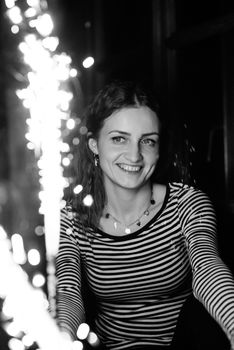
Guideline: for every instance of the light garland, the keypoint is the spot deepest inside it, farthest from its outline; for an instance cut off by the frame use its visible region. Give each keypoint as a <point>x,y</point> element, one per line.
<point>26,305</point>
<point>47,97</point>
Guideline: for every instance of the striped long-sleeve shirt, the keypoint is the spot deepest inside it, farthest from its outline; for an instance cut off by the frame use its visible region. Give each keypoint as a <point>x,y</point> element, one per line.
<point>140,281</point>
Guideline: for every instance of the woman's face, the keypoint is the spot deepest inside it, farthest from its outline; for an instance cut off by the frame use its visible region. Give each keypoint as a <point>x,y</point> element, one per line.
<point>128,147</point>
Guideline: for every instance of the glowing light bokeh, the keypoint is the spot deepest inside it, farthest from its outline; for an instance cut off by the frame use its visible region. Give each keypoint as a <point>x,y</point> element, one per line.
<point>93,339</point>
<point>78,189</point>
<point>47,98</point>
<point>10,3</point>
<point>88,62</point>
<point>83,331</point>
<point>38,280</point>
<point>45,24</point>
<point>25,304</point>
<point>88,200</point>
<point>15,344</point>
<point>15,29</point>
<point>34,257</point>
<point>19,254</point>
<point>14,13</point>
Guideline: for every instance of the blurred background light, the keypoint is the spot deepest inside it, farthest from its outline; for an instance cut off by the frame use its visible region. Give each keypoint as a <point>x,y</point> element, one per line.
<point>88,200</point>
<point>10,3</point>
<point>15,344</point>
<point>83,331</point>
<point>78,189</point>
<point>93,339</point>
<point>45,25</point>
<point>34,257</point>
<point>88,62</point>
<point>19,254</point>
<point>38,280</point>
<point>14,13</point>
<point>15,29</point>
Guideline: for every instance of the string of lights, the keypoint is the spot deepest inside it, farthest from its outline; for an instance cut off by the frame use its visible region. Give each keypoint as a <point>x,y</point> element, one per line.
<point>25,310</point>
<point>47,99</point>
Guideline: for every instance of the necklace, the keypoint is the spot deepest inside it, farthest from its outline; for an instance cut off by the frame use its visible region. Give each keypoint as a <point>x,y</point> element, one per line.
<point>137,221</point>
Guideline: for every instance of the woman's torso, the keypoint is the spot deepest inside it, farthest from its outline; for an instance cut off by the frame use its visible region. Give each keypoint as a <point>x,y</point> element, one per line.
<point>139,281</point>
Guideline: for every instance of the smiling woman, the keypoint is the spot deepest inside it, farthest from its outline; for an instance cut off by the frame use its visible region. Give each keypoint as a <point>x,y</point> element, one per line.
<point>130,259</point>
<point>123,138</point>
<point>128,151</point>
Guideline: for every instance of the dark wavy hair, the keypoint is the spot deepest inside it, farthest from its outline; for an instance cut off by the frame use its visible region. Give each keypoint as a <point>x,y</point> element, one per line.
<point>113,97</point>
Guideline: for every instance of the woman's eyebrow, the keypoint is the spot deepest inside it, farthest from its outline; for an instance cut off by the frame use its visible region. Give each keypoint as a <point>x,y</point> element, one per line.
<point>151,133</point>
<point>128,133</point>
<point>119,132</point>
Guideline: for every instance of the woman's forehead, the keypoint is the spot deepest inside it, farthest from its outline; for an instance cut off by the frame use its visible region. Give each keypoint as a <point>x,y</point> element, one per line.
<point>126,119</point>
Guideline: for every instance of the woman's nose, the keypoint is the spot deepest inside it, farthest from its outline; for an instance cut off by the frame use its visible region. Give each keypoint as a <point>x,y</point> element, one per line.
<point>134,152</point>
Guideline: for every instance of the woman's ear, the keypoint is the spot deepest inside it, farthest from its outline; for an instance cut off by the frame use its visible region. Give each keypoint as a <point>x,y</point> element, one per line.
<point>92,143</point>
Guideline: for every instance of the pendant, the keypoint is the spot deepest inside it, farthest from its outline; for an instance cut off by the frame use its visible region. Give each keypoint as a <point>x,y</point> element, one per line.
<point>115,225</point>
<point>127,230</point>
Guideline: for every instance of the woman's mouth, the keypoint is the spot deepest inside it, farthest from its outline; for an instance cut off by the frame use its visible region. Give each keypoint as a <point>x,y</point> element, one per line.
<point>130,168</point>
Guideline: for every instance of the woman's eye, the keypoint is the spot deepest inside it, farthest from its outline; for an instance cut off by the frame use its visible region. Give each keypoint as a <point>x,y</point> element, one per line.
<point>118,139</point>
<point>149,142</point>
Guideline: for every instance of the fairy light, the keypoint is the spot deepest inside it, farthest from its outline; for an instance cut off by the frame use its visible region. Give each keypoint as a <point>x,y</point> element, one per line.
<point>33,3</point>
<point>88,200</point>
<point>83,331</point>
<point>15,15</point>
<point>47,98</point>
<point>15,344</point>
<point>34,257</point>
<point>88,62</point>
<point>38,280</point>
<point>25,304</point>
<point>10,3</point>
<point>45,24</point>
<point>93,339</point>
<point>27,340</point>
<point>19,254</point>
<point>73,72</point>
<point>13,329</point>
<point>31,12</point>
<point>77,189</point>
<point>15,29</point>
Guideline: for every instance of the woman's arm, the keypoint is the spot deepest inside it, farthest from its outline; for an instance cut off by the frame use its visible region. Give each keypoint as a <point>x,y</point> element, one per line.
<point>70,310</point>
<point>213,283</point>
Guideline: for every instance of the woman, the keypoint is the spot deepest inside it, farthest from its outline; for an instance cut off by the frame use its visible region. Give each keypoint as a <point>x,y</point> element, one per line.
<point>141,248</point>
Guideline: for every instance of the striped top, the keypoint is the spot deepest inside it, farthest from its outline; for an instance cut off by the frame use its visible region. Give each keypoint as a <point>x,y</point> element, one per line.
<point>140,281</point>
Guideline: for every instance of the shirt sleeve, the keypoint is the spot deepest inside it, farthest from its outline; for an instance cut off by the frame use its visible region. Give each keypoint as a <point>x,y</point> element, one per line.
<point>213,283</point>
<point>70,309</point>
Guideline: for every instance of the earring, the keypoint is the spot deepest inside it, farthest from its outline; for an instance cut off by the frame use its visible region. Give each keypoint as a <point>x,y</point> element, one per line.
<point>96,160</point>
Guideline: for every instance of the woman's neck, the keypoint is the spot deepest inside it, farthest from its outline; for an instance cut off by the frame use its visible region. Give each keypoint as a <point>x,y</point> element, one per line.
<point>127,204</point>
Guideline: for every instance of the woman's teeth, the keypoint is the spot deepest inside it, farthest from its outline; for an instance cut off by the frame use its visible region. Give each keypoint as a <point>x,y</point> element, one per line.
<point>129,168</point>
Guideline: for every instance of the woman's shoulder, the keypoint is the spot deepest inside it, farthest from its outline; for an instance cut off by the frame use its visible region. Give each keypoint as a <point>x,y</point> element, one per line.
<point>188,193</point>
<point>172,189</point>
<point>180,187</point>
